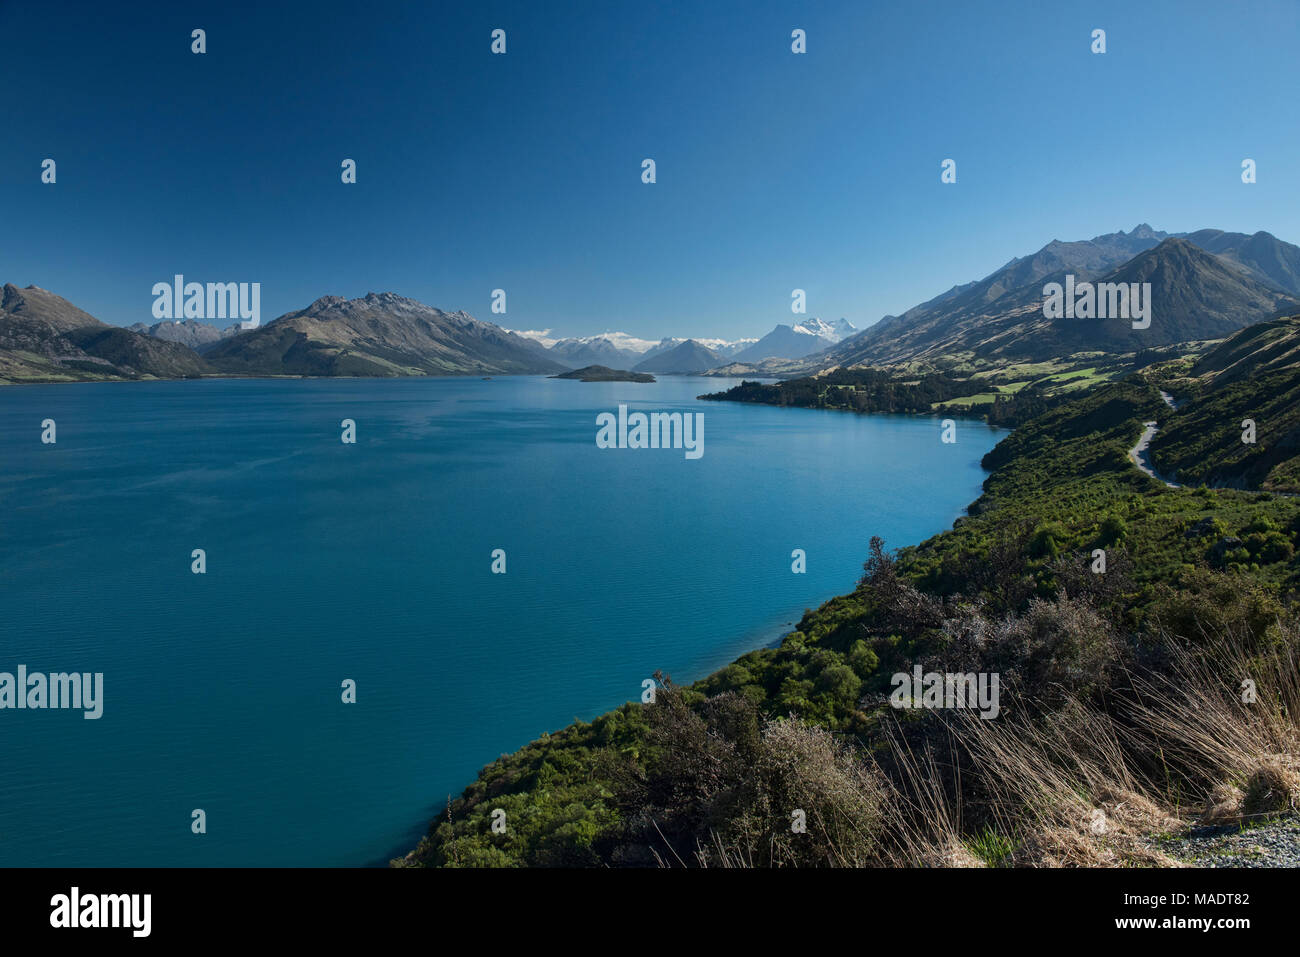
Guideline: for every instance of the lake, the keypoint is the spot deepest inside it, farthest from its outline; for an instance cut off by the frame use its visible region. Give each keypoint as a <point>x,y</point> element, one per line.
<point>373,562</point>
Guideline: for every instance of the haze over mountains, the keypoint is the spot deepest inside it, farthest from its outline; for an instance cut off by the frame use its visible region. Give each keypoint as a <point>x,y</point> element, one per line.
<point>697,354</point>
<point>1204,285</point>
<point>596,350</point>
<point>619,349</point>
<point>685,358</point>
<point>796,341</point>
<point>199,336</point>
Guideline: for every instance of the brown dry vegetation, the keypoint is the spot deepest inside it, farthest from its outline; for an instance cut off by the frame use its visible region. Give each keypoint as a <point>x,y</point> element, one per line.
<point>1077,786</point>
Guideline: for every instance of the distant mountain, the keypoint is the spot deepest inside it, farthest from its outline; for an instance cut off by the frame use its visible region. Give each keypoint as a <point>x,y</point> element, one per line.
<point>686,358</point>
<point>1195,295</point>
<point>660,347</point>
<point>832,331</point>
<point>40,305</point>
<point>594,350</point>
<point>199,336</point>
<point>382,334</point>
<point>728,348</point>
<point>841,328</point>
<point>788,342</point>
<point>620,349</point>
<point>725,348</point>
<point>44,338</point>
<point>1263,255</point>
<point>1085,259</point>
<point>815,327</point>
<point>619,340</point>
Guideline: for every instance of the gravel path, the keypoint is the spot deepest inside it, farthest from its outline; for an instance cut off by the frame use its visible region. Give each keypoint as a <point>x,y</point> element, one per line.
<point>1140,454</point>
<point>1272,844</point>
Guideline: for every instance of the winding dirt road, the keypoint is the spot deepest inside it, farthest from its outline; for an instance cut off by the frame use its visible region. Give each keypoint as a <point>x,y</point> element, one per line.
<point>1140,454</point>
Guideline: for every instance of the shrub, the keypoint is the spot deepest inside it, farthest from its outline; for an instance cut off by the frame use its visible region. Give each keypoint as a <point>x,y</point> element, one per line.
<point>1271,790</point>
<point>1113,529</point>
<point>1061,647</point>
<point>863,660</point>
<point>843,800</point>
<point>1275,547</point>
<point>1048,539</point>
<point>1262,523</point>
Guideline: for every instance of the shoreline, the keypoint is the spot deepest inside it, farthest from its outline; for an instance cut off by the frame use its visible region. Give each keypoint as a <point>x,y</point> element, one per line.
<point>755,636</point>
<point>769,637</point>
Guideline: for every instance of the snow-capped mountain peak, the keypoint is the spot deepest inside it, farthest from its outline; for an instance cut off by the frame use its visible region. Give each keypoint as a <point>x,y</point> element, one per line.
<point>813,326</point>
<point>834,331</point>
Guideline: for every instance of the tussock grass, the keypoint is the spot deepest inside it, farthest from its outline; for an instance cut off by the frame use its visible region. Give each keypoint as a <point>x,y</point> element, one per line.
<point>1087,784</point>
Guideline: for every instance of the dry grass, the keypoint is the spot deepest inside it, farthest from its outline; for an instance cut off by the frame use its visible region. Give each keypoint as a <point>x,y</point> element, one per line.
<point>1078,787</point>
<point>1244,755</point>
<point>1056,792</point>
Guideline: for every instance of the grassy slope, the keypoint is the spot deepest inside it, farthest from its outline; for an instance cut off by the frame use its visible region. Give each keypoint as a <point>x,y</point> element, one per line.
<point>1251,375</point>
<point>1202,441</point>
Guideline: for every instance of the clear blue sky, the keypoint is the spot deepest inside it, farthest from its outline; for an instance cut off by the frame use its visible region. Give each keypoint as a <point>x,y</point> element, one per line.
<point>522,171</point>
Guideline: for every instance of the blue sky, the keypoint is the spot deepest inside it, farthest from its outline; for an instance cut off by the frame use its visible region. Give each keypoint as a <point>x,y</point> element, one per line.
<point>775,171</point>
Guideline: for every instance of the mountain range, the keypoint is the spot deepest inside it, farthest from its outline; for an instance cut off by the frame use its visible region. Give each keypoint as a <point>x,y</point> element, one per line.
<point>685,358</point>
<point>674,356</point>
<point>595,350</point>
<point>796,341</point>
<point>199,336</point>
<point>1196,294</point>
<point>381,334</point>
<point>44,338</point>
<point>1204,285</point>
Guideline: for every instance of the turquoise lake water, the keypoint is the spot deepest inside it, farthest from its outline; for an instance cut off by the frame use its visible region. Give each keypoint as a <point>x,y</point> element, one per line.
<point>372,562</point>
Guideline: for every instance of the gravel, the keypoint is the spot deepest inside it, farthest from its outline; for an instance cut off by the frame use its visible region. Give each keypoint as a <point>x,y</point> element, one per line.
<point>1271,844</point>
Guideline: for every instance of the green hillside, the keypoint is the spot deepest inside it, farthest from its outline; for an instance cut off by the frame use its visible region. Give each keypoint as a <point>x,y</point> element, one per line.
<point>706,775</point>
<point>1254,375</point>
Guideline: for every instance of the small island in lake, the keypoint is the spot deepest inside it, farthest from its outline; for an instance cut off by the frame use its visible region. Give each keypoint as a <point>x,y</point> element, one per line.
<point>605,374</point>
